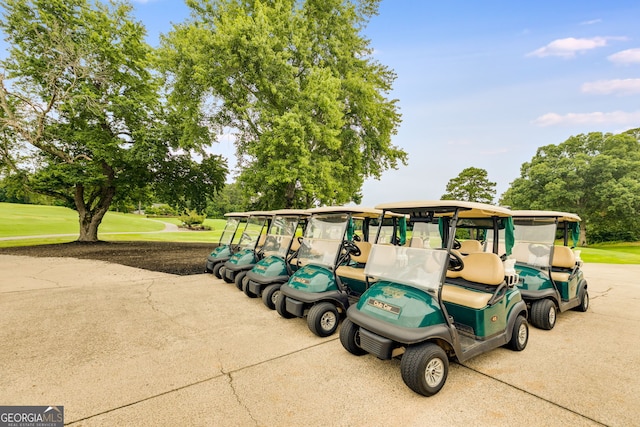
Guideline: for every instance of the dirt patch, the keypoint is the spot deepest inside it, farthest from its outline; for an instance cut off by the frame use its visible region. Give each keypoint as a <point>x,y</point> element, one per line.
<point>168,257</point>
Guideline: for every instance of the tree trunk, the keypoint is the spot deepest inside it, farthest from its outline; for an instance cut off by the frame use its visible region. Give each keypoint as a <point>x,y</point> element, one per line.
<point>582,240</point>
<point>89,218</point>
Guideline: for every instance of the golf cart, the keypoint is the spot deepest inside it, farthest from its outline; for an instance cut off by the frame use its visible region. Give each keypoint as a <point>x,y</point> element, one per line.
<point>431,303</point>
<point>551,280</point>
<point>331,263</point>
<point>248,253</point>
<point>230,235</point>
<point>280,247</point>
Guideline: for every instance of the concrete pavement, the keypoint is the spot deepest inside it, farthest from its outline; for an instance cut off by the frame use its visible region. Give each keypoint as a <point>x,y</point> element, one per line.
<point>117,345</point>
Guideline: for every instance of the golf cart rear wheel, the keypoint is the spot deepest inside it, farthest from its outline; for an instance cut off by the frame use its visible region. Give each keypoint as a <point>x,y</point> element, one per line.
<point>239,278</point>
<point>323,319</point>
<point>424,368</point>
<point>584,302</point>
<point>216,270</point>
<point>270,295</point>
<point>520,334</point>
<point>281,306</point>
<point>350,338</point>
<point>245,288</point>
<point>543,314</point>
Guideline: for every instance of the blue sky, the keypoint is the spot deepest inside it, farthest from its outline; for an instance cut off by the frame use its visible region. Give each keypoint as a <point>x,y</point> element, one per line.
<point>484,84</point>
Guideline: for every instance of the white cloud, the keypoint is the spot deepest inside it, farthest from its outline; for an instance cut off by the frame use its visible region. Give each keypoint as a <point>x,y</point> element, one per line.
<point>599,118</point>
<point>617,86</point>
<point>591,22</point>
<point>567,48</point>
<point>629,56</point>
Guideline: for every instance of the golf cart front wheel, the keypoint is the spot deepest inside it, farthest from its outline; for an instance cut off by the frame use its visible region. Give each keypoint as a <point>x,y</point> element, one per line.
<point>270,295</point>
<point>543,314</point>
<point>239,278</point>
<point>281,306</point>
<point>323,319</point>
<point>520,334</point>
<point>350,338</point>
<point>425,368</point>
<point>584,302</point>
<point>216,270</point>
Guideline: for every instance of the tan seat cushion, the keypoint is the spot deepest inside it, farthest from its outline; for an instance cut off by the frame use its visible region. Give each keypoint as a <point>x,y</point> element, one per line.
<point>470,246</point>
<point>465,297</point>
<point>483,267</point>
<point>563,257</point>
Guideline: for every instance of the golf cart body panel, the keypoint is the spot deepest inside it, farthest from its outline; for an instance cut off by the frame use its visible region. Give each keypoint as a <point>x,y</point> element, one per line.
<point>414,308</point>
<point>331,262</point>
<point>253,237</point>
<point>229,236</point>
<point>548,271</point>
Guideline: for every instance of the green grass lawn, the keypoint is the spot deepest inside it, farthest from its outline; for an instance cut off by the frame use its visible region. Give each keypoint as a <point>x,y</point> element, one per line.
<point>35,220</point>
<point>18,220</point>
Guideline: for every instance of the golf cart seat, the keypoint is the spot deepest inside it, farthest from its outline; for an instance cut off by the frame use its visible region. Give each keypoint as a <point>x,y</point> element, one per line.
<point>470,246</point>
<point>563,263</point>
<point>356,272</point>
<point>415,242</point>
<point>483,272</point>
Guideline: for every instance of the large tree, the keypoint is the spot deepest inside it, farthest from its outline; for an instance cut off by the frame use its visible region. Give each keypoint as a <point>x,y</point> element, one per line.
<point>595,175</point>
<point>471,185</point>
<point>81,115</point>
<point>295,81</point>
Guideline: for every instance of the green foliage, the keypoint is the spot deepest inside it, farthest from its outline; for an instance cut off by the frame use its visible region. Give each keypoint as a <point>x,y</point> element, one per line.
<point>294,80</point>
<point>471,185</point>
<point>594,175</point>
<point>160,210</point>
<point>191,219</point>
<point>230,199</point>
<point>81,114</point>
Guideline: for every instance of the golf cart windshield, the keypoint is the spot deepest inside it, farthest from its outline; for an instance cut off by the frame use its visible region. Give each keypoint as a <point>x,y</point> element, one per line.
<point>229,231</point>
<point>323,239</point>
<point>534,240</point>
<point>252,232</point>
<point>426,235</point>
<point>421,268</point>
<point>278,239</point>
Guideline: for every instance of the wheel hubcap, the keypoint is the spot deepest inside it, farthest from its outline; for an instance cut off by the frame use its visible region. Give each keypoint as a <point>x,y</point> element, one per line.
<point>522,334</point>
<point>552,316</point>
<point>328,321</point>
<point>274,296</point>
<point>434,372</point>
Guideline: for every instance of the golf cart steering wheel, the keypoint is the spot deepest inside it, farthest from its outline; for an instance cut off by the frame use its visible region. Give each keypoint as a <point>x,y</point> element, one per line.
<point>456,244</point>
<point>356,238</point>
<point>455,262</point>
<point>351,248</point>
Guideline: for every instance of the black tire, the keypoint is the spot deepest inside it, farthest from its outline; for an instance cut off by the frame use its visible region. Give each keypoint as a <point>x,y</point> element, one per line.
<point>245,288</point>
<point>584,302</point>
<point>323,319</point>
<point>425,368</point>
<point>520,334</point>
<point>216,270</point>
<point>224,275</point>
<point>239,277</point>
<point>269,295</point>
<point>281,307</point>
<point>350,338</point>
<point>543,314</point>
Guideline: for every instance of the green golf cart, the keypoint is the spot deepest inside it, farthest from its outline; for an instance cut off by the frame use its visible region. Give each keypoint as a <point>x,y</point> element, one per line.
<point>551,279</point>
<point>248,253</point>
<point>431,303</point>
<point>280,247</point>
<point>230,236</point>
<point>331,263</point>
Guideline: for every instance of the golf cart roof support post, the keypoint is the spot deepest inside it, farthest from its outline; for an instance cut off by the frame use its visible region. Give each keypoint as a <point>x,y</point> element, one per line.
<point>450,233</point>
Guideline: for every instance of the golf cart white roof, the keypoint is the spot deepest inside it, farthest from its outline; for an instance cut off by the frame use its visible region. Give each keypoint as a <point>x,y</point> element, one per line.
<point>236,214</point>
<point>446,208</point>
<point>359,211</point>
<point>291,212</point>
<point>562,216</point>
